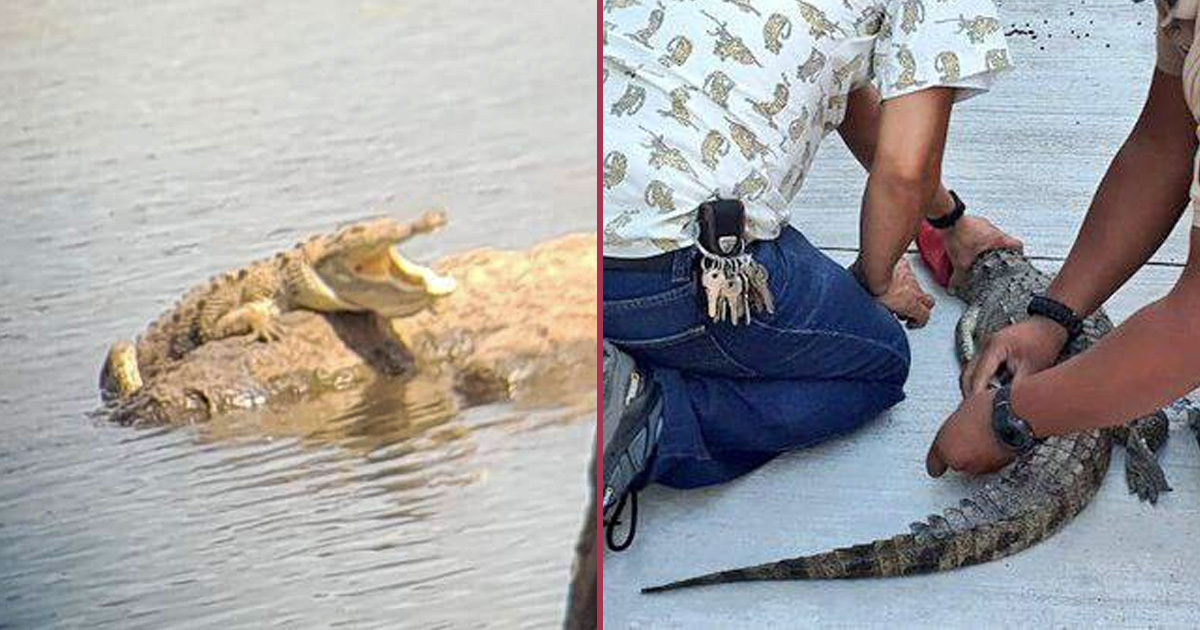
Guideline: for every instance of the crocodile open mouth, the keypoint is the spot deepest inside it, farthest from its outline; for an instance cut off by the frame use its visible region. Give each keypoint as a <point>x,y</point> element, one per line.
<point>404,270</point>
<point>385,282</point>
<point>403,274</point>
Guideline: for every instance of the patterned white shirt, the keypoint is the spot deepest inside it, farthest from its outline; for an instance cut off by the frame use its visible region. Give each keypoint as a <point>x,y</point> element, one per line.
<point>732,98</point>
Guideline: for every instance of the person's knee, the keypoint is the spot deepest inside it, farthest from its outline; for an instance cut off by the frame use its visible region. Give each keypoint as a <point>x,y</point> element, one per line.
<point>896,357</point>
<point>903,356</point>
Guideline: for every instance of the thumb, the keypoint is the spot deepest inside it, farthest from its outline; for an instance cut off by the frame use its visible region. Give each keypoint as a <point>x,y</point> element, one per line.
<point>958,277</point>
<point>934,464</point>
<point>993,357</point>
<point>965,377</point>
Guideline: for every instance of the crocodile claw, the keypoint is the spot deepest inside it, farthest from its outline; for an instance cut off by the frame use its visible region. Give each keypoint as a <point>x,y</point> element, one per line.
<point>1143,473</point>
<point>272,330</point>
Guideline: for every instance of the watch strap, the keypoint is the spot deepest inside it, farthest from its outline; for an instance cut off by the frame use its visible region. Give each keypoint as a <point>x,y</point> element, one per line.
<point>1052,309</point>
<point>1013,432</point>
<point>947,221</point>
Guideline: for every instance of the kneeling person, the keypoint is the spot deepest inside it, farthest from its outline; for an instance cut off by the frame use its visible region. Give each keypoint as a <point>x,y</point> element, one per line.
<point>723,101</point>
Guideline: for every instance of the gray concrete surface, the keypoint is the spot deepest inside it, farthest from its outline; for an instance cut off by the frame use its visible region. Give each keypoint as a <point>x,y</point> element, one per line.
<point>1029,155</point>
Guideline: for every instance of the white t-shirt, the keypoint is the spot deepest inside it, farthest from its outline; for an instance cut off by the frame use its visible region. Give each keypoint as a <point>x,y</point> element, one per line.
<point>732,98</point>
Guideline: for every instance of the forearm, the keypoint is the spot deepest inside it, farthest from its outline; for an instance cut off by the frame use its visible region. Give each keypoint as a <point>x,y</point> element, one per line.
<point>1138,202</point>
<point>1129,219</point>
<point>860,131</point>
<point>904,175</point>
<point>1142,365</point>
<point>892,210</point>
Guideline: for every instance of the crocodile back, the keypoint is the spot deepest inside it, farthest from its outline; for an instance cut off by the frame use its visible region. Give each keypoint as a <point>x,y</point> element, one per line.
<point>177,331</point>
<point>1054,481</point>
<point>997,291</point>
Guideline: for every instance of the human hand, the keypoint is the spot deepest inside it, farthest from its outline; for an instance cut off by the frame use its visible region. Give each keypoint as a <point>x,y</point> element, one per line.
<point>905,297</point>
<point>966,442</point>
<point>1024,348</point>
<point>970,237</point>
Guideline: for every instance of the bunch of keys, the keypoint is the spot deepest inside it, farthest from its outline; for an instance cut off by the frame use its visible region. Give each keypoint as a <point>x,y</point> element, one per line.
<point>734,284</point>
<point>734,287</point>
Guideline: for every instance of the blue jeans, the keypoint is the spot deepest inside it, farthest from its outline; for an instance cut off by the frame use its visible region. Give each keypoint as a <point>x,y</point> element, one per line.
<point>829,359</point>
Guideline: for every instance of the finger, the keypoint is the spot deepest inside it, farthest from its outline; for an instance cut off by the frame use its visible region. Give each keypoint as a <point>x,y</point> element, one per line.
<point>989,363</point>
<point>977,468</point>
<point>919,314</point>
<point>923,316</point>
<point>1019,369</point>
<point>1008,242</point>
<point>957,277</point>
<point>935,466</point>
<point>927,300</point>
<point>964,378</point>
<point>908,309</point>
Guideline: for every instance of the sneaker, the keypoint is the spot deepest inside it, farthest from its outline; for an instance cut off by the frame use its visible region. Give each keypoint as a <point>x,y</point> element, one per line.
<point>632,424</point>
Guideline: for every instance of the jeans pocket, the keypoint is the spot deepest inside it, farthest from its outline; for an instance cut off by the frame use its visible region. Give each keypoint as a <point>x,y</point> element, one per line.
<point>668,328</point>
<point>693,350</point>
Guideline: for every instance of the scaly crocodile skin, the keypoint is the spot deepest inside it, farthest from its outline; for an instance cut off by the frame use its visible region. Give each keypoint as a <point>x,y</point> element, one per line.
<point>1028,500</point>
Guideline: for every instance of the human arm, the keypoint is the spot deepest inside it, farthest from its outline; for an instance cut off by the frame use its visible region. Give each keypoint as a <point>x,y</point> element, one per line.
<point>905,173</point>
<point>970,235</point>
<point>1141,366</point>
<point>928,61</point>
<point>860,132</point>
<point>1138,202</point>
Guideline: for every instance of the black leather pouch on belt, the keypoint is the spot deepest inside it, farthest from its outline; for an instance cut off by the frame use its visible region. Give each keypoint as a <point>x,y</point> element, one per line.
<point>722,226</point>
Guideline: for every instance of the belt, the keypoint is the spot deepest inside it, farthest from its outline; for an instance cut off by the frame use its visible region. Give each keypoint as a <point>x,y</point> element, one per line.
<point>661,262</point>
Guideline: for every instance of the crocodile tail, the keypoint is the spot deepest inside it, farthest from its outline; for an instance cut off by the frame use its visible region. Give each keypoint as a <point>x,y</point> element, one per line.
<point>120,376</point>
<point>906,554</point>
<point>930,551</point>
<point>1024,505</point>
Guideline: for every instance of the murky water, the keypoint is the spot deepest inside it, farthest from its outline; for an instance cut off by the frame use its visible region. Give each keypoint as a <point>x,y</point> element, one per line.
<point>147,145</point>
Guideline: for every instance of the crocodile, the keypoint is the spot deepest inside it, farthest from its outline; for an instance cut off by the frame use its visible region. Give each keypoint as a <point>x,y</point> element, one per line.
<point>356,269</point>
<point>1027,501</point>
<point>346,310</point>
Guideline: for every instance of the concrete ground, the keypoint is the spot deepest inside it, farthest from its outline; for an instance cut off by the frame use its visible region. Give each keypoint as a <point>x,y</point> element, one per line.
<point>1029,156</point>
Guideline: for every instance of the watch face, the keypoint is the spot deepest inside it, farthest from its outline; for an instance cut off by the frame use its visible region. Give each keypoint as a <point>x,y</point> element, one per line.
<point>1012,435</point>
<point>1010,430</point>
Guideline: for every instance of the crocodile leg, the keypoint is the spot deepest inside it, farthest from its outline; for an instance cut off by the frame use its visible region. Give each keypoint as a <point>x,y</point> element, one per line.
<point>1143,439</point>
<point>259,318</point>
<point>964,333</point>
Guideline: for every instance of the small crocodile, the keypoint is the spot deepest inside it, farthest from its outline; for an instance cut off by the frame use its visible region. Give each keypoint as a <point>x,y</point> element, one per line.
<point>518,326</point>
<point>1029,500</point>
<point>356,269</point>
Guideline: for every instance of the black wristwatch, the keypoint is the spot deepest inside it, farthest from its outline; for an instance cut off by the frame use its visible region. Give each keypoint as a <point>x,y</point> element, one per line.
<point>1011,431</point>
<point>1057,312</point>
<point>947,221</point>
